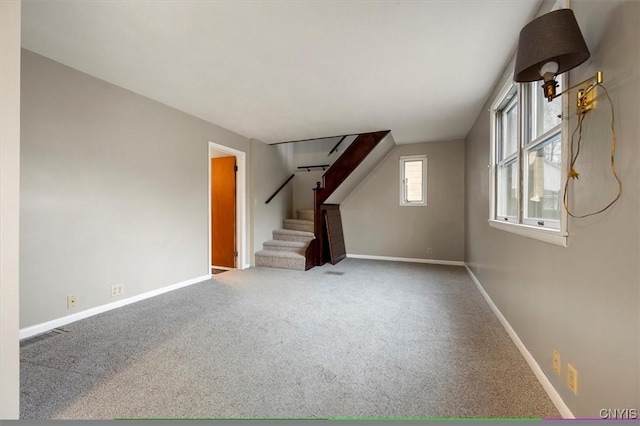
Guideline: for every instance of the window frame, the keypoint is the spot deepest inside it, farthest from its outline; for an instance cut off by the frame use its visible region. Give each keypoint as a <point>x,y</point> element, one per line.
<point>507,102</point>
<point>551,231</point>
<point>402,191</point>
<point>532,146</point>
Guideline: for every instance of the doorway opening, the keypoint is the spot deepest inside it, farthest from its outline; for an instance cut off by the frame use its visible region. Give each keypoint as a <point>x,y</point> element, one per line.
<point>237,221</point>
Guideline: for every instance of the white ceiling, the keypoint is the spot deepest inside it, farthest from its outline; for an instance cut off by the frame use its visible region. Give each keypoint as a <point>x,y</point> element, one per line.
<point>287,70</point>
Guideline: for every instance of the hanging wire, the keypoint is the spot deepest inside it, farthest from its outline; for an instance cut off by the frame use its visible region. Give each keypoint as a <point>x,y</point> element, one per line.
<point>573,174</point>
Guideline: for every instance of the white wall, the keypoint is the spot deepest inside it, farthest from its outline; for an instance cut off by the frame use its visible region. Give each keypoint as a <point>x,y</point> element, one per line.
<point>270,166</point>
<point>376,225</point>
<point>303,185</point>
<point>114,189</point>
<point>583,299</point>
<point>9,207</point>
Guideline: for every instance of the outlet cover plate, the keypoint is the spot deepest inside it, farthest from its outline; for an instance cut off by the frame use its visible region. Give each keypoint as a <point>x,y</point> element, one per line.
<point>72,301</point>
<point>572,378</point>
<point>557,364</point>
<point>117,290</point>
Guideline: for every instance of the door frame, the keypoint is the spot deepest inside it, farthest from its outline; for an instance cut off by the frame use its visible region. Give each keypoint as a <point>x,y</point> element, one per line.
<point>241,204</point>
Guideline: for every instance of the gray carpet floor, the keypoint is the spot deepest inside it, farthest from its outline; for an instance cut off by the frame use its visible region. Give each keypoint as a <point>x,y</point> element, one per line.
<point>358,339</point>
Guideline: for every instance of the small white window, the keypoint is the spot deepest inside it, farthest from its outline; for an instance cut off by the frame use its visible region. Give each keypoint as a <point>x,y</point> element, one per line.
<point>413,180</point>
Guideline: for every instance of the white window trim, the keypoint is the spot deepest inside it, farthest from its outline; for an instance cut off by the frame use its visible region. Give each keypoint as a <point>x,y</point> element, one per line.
<point>512,158</point>
<point>549,235</point>
<point>403,202</point>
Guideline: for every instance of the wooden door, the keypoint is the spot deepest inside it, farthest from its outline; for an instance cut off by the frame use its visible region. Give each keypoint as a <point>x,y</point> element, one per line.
<point>223,212</point>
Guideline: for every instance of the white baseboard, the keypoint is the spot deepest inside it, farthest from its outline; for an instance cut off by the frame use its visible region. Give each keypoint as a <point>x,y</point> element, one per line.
<point>555,397</point>
<point>59,322</point>
<point>407,259</point>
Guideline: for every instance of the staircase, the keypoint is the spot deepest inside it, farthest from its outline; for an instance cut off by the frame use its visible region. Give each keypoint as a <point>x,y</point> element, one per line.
<point>337,175</point>
<point>305,242</point>
<point>288,247</point>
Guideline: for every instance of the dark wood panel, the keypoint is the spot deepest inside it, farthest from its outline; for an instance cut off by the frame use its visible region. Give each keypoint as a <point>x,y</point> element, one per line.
<point>335,237</point>
<point>348,161</point>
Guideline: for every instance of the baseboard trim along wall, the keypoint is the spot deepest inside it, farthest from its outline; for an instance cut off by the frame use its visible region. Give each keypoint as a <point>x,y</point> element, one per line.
<point>555,397</point>
<point>59,322</point>
<point>407,259</point>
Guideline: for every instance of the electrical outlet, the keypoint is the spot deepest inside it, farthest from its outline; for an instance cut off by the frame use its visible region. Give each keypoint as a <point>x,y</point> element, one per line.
<point>429,250</point>
<point>117,290</point>
<point>572,378</point>
<point>557,365</point>
<point>72,301</point>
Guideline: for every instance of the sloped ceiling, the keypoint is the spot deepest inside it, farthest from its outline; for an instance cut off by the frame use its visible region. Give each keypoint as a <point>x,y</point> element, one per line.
<point>287,70</point>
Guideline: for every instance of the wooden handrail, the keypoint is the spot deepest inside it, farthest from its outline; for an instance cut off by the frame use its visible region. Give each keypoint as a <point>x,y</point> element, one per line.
<point>280,189</point>
<point>335,148</point>
<point>319,166</point>
<point>316,139</point>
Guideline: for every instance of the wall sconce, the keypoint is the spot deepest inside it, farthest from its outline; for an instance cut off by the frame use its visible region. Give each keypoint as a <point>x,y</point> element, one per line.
<point>550,45</point>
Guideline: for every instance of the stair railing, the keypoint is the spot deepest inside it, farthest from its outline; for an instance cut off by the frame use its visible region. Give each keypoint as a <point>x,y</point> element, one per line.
<point>280,189</point>
<point>319,166</point>
<point>335,148</point>
<point>307,168</point>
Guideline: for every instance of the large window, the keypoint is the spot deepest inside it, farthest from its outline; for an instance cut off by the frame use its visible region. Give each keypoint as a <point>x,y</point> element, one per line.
<point>413,180</point>
<point>527,163</point>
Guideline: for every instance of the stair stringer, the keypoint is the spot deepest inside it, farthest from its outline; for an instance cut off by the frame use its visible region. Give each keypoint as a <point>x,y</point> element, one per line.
<point>360,174</point>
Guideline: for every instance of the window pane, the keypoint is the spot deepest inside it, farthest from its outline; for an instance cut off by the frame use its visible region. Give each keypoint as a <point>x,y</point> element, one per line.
<point>509,129</point>
<point>544,180</point>
<point>413,181</point>
<point>548,114</point>
<point>508,190</point>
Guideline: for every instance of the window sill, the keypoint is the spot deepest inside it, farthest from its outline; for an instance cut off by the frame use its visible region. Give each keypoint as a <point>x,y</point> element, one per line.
<point>550,236</point>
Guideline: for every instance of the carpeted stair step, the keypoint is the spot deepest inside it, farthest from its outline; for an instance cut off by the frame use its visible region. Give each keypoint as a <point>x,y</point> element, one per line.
<point>280,259</point>
<point>298,225</point>
<point>292,235</point>
<point>305,214</point>
<point>298,247</point>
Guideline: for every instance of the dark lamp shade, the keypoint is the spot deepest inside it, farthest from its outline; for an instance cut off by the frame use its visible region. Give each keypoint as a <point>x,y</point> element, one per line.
<point>554,36</point>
